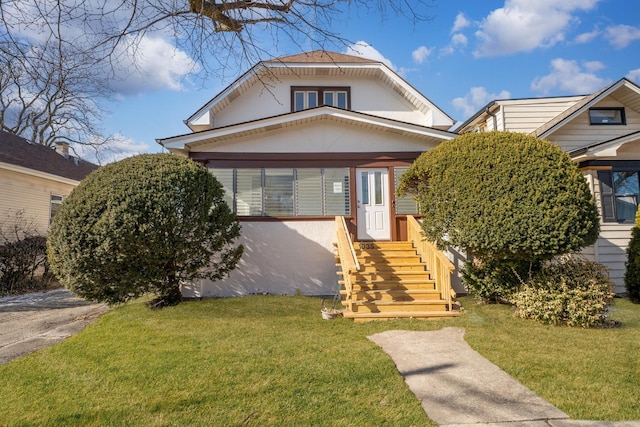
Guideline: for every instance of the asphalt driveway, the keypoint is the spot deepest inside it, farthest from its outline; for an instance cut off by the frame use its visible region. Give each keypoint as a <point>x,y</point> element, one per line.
<point>31,322</point>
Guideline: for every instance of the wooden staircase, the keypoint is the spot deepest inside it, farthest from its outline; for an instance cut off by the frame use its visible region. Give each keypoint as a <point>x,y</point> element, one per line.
<point>390,280</point>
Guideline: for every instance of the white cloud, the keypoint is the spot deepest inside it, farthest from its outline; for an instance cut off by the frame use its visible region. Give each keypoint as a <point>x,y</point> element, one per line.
<point>154,63</point>
<point>524,25</point>
<point>568,76</point>
<point>421,54</point>
<point>594,66</point>
<point>115,148</point>
<point>587,37</point>
<point>364,49</point>
<point>620,36</point>
<point>447,50</point>
<point>459,39</point>
<point>634,75</point>
<point>476,98</point>
<point>460,23</point>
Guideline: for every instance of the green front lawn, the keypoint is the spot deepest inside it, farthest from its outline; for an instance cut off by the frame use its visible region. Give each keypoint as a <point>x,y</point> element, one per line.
<point>266,360</point>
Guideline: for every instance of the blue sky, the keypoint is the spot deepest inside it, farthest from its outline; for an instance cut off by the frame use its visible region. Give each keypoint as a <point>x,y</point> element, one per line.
<point>468,54</point>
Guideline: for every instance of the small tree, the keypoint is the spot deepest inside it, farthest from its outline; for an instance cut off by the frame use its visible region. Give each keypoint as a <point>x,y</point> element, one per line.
<point>632,273</point>
<point>144,224</point>
<point>503,198</point>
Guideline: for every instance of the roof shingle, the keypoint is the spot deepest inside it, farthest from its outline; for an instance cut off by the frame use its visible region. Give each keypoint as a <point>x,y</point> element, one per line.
<point>323,56</point>
<point>18,151</point>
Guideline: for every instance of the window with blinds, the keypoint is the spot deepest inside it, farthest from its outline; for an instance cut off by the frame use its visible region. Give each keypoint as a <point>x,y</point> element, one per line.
<point>286,192</point>
<point>405,205</point>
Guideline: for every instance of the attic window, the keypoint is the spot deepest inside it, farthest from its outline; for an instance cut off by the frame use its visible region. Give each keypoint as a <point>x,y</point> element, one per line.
<point>303,97</point>
<point>607,116</point>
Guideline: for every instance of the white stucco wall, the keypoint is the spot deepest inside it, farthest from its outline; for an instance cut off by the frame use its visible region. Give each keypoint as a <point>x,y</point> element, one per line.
<point>367,96</point>
<point>279,258</point>
<point>322,136</point>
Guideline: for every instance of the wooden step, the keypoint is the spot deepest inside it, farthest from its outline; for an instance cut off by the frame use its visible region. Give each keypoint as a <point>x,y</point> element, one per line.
<point>383,306</point>
<point>378,285</point>
<point>393,294</point>
<point>388,259</point>
<point>381,245</point>
<point>406,266</point>
<point>427,315</point>
<point>397,276</point>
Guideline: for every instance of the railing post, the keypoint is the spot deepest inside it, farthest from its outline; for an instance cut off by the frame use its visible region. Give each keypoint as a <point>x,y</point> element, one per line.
<point>436,260</point>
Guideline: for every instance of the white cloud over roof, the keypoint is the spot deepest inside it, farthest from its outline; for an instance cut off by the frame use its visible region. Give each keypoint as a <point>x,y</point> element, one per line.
<point>476,98</point>
<point>364,49</point>
<point>571,77</point>
<point>525,25</point>
<point>421,54</point>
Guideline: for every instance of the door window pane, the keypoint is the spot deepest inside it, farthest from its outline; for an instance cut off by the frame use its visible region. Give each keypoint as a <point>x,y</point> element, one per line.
<point>378,187</point>
<point>364,176</point>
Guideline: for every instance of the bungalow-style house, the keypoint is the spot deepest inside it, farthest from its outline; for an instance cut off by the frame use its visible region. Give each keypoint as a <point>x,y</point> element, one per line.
<point>309,149</point>
<point>601,132</point>
<point>35,179</point>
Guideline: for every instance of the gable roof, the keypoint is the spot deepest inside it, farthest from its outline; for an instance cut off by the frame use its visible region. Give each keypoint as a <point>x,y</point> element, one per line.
<point>322,63</point>
<point>604,148</point>
<point>18,151</point>
<point>322,56</point>
<point>489,110</point>
<point>588,102</point>
<point>268,124</point>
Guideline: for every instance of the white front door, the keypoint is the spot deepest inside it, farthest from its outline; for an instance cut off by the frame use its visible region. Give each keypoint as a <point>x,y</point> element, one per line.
<point>372,191</point>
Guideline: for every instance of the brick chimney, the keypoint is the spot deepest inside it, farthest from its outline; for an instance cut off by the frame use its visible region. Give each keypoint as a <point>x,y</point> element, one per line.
<point>62,148</point>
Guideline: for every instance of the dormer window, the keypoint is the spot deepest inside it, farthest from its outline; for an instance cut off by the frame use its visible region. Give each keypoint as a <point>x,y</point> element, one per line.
<point>305,97</point>
<point>607,116</point>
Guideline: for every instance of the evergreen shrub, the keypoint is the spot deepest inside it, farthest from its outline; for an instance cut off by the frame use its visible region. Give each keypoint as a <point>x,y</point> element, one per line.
<point>146,224</point>
<point>632,273</point>
<point>505,199</point>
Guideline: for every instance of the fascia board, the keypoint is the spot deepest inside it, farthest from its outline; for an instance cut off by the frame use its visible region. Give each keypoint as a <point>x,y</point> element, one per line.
<point>182,141</point>
<point>38,174</point>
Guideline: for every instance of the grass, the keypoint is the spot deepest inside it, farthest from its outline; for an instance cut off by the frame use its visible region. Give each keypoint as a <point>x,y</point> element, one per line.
<point>267,360</point>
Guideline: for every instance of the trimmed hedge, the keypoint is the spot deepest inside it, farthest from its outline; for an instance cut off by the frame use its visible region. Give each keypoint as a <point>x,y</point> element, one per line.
<point>145,224</point>
<point>632,273</point>
<point>503,195</point>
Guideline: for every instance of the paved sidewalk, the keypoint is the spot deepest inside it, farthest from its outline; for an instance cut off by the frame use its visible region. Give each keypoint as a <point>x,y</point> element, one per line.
<point>458,387</point>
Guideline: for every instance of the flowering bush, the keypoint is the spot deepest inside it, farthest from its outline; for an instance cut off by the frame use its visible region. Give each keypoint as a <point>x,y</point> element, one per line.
<point>571,291</point>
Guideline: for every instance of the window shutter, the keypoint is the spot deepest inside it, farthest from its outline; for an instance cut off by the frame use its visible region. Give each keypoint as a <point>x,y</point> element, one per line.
<point>607,196</point>
<point>249,192</point>
<point>336,191</point>
<point>309,192</point>
<point>405,204</point>
<point>278,192</point>
<point>225,177</point>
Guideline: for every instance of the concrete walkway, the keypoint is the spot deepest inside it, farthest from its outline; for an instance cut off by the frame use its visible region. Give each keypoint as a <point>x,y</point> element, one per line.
<point>458,387</point>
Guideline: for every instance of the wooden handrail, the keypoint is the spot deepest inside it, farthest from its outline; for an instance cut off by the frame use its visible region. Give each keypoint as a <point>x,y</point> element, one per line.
<point>347,254</point>
<point>436,260</point>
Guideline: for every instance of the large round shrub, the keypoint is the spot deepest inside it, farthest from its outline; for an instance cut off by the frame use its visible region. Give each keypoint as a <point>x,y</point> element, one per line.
<point>632,273</point>
<point>503,195</point>
<point>145,224</point>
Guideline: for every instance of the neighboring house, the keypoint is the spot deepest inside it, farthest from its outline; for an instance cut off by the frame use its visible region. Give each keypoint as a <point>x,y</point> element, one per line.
<point>35,179</point>
<point>299,140</point>
<point>601,132</point>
